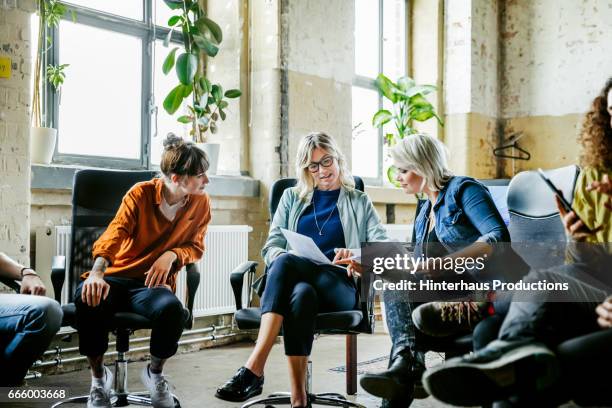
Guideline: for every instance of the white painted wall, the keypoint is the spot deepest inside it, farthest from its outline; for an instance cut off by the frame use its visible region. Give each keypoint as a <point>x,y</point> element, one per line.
<point>558,54</point>
<point>321,38</point>
<point>457,64</point>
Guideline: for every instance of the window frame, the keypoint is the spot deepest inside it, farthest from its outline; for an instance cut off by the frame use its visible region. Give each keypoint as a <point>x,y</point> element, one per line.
<point>361,81</point>
<point>148,33</point>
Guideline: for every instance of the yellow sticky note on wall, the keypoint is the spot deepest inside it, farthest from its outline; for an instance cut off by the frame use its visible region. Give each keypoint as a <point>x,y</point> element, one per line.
<point>5,67</point>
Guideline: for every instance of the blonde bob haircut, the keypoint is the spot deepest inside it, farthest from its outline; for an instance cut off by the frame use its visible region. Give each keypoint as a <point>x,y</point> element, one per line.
<point>310,142</point>
<point>426,156</point>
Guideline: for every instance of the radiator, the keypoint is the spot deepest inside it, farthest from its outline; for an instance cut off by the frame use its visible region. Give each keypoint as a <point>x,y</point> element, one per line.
<point>51,241</point>
<point>226,247</point>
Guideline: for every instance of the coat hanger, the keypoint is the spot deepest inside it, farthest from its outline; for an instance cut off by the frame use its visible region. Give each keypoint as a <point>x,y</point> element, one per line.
<point>512,145</point>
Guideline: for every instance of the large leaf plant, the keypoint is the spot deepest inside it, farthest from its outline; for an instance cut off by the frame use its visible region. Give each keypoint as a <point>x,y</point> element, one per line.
<point>409,106</point>
<point>201,39</point>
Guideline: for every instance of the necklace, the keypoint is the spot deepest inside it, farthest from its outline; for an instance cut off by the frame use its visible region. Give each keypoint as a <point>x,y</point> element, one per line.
<point>317,222</point>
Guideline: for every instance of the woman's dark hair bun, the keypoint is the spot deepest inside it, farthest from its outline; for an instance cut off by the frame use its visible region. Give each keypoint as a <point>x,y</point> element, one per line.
<point>173,141</point>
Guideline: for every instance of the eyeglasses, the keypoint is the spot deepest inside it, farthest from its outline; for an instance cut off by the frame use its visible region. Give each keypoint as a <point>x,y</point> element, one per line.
<point>327,161</point>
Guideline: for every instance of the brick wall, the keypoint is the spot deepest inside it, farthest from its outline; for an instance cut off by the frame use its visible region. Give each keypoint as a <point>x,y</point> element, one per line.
<point>15,96</point>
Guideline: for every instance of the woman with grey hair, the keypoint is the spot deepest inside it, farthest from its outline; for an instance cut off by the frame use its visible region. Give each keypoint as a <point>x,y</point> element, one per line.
<point>326,207</point>
<point>458,219</point>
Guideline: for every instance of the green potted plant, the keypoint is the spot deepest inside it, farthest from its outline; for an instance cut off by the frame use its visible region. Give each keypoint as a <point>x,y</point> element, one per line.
<point>42,137</point>
<point>206,101</point>
<point>409,106</point>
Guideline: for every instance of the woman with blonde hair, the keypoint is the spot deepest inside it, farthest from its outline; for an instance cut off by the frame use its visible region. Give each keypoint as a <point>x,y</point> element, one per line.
<point>326,207</point>
<point>527,345</point>
<point>459,219</point>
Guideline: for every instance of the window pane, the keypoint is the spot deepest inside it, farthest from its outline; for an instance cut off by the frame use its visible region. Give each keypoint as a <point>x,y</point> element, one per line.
<point>366,38</point>
<point>100,105</point>
<point>365,137</point>
<point>163,84</point>
<point>163,13</point>
<point>125,8</point>
<point>394,38</point>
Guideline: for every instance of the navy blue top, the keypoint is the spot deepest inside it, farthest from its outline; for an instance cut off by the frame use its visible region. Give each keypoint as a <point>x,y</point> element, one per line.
<point>332,232</point>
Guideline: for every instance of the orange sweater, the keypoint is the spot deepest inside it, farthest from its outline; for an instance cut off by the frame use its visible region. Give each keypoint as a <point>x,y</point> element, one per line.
<point>139,233</point>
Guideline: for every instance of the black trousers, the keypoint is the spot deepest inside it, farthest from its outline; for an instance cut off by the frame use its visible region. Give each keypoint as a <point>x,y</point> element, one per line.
<point>299,289</point>
<point>554,320</point>
<point>159,305</point>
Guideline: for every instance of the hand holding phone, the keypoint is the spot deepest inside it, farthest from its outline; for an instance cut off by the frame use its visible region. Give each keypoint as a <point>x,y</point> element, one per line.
<point>574,226</point>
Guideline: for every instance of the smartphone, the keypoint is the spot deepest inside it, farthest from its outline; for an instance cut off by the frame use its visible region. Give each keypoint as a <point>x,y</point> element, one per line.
<point>566,205</point>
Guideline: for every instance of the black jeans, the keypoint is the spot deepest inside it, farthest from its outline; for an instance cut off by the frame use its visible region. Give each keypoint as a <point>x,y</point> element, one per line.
<point>159,305</point>
<point>299,289</point>
<point>552,320</point>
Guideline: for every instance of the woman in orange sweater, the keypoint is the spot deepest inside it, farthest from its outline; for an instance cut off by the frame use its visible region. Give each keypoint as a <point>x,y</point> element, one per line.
<point>158,228</point>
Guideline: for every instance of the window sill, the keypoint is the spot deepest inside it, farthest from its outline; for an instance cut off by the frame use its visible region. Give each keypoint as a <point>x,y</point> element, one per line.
<point>389,195</point>
<point>59,177</point>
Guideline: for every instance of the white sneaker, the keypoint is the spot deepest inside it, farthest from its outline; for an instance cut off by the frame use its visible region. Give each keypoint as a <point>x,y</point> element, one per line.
<point>100,397</point>
<point>159,389</point>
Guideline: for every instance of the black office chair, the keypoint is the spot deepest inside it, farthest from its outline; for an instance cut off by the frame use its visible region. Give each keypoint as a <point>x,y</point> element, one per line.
<point>12,284</point>
<point>96,197</point>
<point>349,323</point>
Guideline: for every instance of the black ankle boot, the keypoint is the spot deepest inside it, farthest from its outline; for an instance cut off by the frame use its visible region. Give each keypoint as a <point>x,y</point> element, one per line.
<point>397,382</point>
<point>242,386</point>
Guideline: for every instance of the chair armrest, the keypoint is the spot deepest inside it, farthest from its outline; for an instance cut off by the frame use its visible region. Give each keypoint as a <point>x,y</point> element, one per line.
<point>237,280</point>
<point>58,275</point>
<point>11,283</point>
<point>193,282</point>
<point>365,288</point>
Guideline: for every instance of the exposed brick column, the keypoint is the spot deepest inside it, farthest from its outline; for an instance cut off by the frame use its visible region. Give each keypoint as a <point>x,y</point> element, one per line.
<point>15,99</point>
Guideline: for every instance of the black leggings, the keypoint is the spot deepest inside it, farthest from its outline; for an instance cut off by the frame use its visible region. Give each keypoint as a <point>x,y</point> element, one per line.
<point>299,289</point>
<point>159,305</point>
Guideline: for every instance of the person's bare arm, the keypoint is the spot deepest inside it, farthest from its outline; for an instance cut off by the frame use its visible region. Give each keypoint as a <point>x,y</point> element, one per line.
<point>9,268</point>
<point>94,287</point>
<point>30,281</point>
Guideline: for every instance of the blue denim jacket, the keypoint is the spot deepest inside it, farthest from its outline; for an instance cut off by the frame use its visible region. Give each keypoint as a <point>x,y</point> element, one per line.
<point>466,213</point>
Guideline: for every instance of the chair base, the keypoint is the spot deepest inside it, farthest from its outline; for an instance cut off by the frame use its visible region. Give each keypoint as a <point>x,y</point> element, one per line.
<point>122,400</point>
<point>284,398</point>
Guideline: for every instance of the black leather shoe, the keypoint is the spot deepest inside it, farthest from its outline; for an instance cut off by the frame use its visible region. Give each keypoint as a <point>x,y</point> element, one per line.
<point>397,383</point>
<point>242,386</point>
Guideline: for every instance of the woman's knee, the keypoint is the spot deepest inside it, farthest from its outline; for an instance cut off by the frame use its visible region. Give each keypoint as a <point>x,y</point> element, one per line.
<point>303,301</point>
<point>281,275</point>
<point>283,264</point>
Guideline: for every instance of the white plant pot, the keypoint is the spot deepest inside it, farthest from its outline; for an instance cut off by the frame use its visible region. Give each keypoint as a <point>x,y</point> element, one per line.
<point>212,152</point>
<point>42,144</point>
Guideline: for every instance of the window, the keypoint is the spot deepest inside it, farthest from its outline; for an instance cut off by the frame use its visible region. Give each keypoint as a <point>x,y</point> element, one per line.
<point>109,112</point>
<point>380,46</point>
<point>101,101</point>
